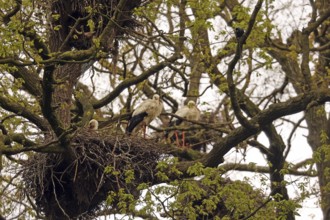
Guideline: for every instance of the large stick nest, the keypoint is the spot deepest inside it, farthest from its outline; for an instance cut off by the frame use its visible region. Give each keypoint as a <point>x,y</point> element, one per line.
<point>77,188</point>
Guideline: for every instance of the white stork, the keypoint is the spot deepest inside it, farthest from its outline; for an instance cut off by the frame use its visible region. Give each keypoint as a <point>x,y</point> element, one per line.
<point>189,112</point>
<point>142,116</point>
<point>93,125</point>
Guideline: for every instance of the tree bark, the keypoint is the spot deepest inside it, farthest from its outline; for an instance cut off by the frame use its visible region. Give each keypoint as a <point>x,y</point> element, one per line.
<point>303,82</point>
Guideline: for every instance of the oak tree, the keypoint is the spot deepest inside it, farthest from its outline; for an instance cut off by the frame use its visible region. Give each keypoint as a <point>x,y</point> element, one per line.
<point>63,63</point>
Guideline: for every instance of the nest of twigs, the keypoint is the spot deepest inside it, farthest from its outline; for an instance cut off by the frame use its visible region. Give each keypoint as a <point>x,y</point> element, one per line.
<point>77,188</point>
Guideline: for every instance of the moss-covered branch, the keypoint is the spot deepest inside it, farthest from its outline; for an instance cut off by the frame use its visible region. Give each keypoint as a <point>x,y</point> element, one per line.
<point>31,80</point>
<point>26,145</point>
<point>48,109</point>
<point>23,111</point>
<point>17,7</point>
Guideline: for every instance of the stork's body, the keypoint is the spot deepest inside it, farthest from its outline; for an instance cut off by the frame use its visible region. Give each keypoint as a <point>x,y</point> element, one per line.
<point>143,115</point>
<point>189,112</point>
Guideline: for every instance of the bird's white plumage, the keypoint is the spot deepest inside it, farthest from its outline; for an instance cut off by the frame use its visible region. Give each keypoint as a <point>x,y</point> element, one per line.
<point>189,111</point>
<point>93,125</point>
<point>152,107</point>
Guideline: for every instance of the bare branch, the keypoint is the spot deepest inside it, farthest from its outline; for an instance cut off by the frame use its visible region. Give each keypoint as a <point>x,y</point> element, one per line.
<point>132,81</point>
<point>263,169</point>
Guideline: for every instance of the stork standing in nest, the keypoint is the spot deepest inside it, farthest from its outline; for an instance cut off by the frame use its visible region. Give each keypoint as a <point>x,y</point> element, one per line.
<point>189,112</point>
<point>143,115</point>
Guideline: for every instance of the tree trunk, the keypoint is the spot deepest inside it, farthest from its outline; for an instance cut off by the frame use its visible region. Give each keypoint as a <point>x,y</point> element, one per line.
<point>277,160</point>
<point>317,123</point>
<point>316,117</point>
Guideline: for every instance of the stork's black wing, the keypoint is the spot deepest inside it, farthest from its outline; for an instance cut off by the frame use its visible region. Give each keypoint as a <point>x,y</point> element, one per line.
<point>134,121</point>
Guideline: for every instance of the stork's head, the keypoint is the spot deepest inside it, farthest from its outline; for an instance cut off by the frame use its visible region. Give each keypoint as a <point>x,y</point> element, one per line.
<point>93,125</point>
<point>156,97</point>
<point>191,104</point>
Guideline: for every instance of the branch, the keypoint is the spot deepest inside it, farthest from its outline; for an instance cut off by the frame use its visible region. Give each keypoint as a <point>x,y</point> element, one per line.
<point>23,111</point>
<point>18,138</point>
<point>113,24</point>
<point>263,169</point>
<point>132,81</point>
<point>303,163</point>
<point>28,145</point>
<point>232,89</point>
<point>76,56</point>
<point>291,135</point>
<point>47,109</point>
<point>258,208</point>
<point>265,117</point>
<point>263,149</point>
<point>38,42</point>
<point>80,56</point>
<point>85,107</point>
<point>73,29</point>
<point>321,48</point>
<point>17,7</point>
<point>31,80</point>
<point>312,26</point>
<point>15,62</point>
